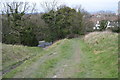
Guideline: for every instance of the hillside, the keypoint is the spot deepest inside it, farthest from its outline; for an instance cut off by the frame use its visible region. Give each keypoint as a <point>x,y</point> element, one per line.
<point>94,56</point>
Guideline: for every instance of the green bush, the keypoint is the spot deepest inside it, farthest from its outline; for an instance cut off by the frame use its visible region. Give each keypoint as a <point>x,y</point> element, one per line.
<point>29,39</point>
<point>11,39</point>
<point>103,25</point>
<point>62,23</point>
<point>115,29</point>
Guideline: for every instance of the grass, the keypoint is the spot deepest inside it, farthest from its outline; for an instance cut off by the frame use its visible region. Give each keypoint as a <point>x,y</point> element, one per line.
<point>12,54</point>
<point>62,46</point>
<point>100,56</point>
<point>64,51</point>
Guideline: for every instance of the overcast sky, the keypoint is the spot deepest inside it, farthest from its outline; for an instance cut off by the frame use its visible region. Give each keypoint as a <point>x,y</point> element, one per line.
<point>89,5</point>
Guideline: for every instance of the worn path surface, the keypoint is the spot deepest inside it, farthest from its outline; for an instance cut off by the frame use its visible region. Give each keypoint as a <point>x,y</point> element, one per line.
<point>68,67</point>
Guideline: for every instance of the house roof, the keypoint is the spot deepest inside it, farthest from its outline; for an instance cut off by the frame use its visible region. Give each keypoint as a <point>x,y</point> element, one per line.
<point>107,16</point>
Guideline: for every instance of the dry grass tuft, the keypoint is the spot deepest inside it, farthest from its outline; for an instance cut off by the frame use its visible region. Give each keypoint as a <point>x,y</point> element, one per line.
<point>95,37</point>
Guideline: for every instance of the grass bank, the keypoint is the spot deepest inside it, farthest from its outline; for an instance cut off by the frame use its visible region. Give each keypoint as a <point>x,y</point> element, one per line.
<point>13,54</point>
<point>99,58</point>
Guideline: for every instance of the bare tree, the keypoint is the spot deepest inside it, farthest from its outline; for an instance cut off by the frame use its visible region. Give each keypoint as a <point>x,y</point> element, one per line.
<point>18,7</point>
<point>48,6</point>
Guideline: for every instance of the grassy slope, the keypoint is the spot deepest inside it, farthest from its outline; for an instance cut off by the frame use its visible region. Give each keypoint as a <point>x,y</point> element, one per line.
<point>11,54</point>
<point>47,65</point>
<point>98,58</point>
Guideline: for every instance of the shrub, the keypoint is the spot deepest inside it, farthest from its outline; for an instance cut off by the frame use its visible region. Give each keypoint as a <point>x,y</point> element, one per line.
<point>70,36</point>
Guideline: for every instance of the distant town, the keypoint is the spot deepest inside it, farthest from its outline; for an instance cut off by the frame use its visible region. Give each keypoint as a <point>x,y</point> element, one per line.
<point>112,19</point>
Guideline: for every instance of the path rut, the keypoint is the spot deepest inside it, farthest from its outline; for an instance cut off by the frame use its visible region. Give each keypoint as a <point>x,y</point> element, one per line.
<point>68,67</point>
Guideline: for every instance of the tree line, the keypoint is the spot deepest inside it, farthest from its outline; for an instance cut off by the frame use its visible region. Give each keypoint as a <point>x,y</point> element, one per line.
<point>59,22</point>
